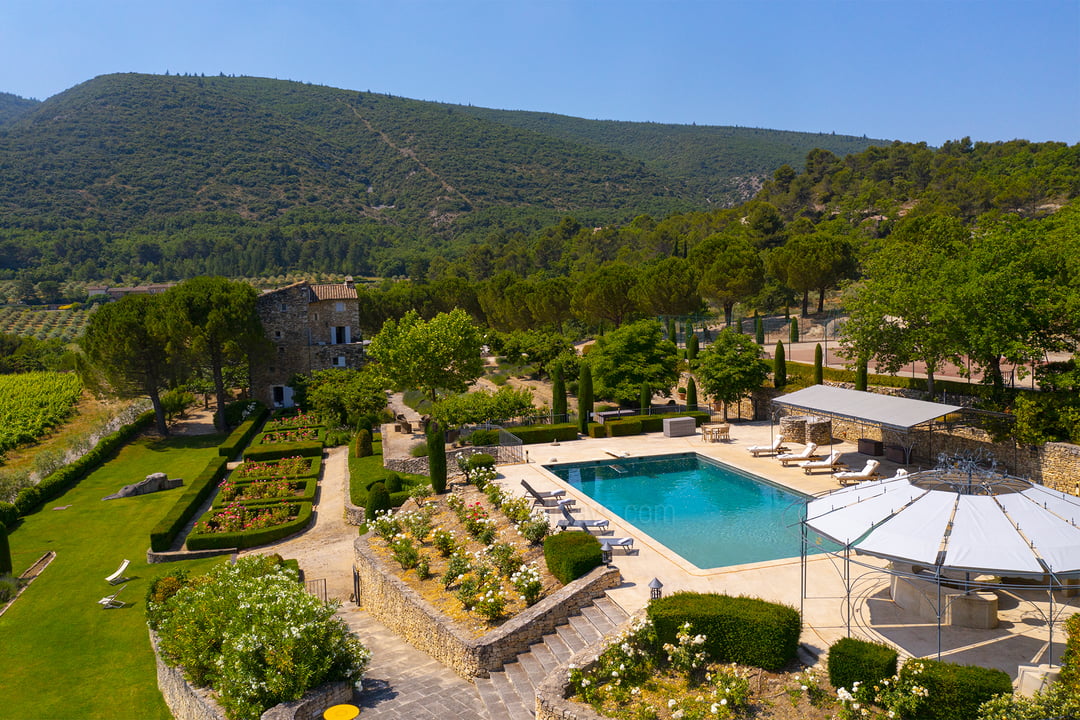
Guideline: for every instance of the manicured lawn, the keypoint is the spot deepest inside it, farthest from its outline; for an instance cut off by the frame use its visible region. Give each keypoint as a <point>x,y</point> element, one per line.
<point>61,654</point>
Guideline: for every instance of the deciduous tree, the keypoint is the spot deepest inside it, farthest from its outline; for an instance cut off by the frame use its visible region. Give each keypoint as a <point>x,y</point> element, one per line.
<point>631,356</point>
<point>731,367</point>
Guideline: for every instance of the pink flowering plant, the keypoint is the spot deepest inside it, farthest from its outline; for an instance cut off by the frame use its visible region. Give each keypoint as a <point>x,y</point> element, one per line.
<point>286,467</point>
<point>259,490</point>
<point>237,517</point>
<point>295,435</point>
<point>302,419</point>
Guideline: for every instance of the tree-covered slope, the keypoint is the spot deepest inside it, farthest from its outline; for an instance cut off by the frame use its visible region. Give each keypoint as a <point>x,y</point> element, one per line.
<point>13,107</point>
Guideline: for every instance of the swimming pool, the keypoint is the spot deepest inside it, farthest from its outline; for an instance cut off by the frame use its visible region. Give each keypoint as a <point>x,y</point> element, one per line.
<point>711,514</point>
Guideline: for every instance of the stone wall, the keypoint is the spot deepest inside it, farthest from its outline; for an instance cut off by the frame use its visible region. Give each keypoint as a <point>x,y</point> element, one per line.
<point>402,609</point>
<point>187,702</point>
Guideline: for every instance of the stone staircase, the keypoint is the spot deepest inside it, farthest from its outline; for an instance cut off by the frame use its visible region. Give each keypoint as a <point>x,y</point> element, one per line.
<point>510,694</point>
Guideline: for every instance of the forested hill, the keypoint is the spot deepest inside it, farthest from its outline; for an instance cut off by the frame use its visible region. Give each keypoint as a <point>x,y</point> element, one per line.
<point>697,154</point>
<point>134,151</point>
<point>13,107</point>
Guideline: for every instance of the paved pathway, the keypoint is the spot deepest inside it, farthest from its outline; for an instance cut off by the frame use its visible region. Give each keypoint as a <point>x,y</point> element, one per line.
<point>401,682</point>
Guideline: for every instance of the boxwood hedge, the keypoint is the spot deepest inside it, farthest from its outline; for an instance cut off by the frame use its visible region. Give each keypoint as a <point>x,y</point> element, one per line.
<point>533,434</point>
<point>955,691</point>
<point>164,533</point>
<point>251,538</point>
<point>569,555</point>
<point>277,451</point>
<point>743,630</point>
<point>314,465</point>
<point>852,660</point>
<point>240,437</point>
<point>308,487</point>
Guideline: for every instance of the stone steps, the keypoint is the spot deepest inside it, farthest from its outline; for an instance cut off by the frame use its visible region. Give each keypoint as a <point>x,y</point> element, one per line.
<point>510,694</point>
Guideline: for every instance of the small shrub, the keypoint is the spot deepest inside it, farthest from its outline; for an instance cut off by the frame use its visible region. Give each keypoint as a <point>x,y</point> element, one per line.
<point>505,558</point>
<point>457,567</point>
<point>9,514</point>
<point>954,692</point>
<point>481,461</point>
<point>420,450</point>
<point>362,443</point>
<point>423,568</point>
<point>445,542</point>
<point>527,582</point>
<point>484,437</point>
<point>569,555</point>
<point>404,552</point>
<point>852,660</point>
<point>378,501</point>
<point>392,482</point>
<point>535,528</point>
<point>5,552</point>
<point>534,434</point>
<point>8,587</point>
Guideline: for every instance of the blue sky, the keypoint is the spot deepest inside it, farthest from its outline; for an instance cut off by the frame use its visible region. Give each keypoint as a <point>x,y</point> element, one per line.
<point>910,70</point>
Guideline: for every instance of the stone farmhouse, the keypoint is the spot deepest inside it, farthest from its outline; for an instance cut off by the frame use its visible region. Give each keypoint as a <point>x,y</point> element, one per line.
<point>311,327</point>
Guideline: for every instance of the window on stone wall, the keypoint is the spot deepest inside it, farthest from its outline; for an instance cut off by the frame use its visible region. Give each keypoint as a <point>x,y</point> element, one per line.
<point>340,335</point>
<point>339,361</point>
<point>339,306</point>
<point>277,334</point>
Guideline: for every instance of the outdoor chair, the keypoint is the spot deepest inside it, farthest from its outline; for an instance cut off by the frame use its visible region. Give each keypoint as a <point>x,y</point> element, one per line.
<point>118,577</point>
<point>627,543</point>
<point>831,463</point>
<point>110,602</point>
<point>543,498</point>
<point>869,472</point>
<point>569,521</point>
<point>808,453</point>
<point>776,447</point>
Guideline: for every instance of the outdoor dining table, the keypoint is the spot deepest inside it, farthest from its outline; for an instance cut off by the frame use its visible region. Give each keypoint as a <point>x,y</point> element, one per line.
<point>716,433</point>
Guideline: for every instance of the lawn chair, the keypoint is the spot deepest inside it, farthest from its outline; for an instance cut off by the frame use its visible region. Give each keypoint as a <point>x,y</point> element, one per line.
<point>570,521</point>
<point>118,577</point>
<point>869,472</point>
<point>831,463</point>
<point>807,453</point>
<point>110,602</point>
<point>776,447</point>
<point>627,543</point>
<point>542,498</point>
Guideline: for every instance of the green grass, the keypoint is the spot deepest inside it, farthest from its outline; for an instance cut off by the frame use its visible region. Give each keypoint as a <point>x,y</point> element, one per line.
<point>62,654</point>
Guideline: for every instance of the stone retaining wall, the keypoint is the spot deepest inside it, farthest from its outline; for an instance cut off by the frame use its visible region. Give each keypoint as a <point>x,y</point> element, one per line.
<point>187,702</point>
<point>404,611</point>
<point>551,694</point>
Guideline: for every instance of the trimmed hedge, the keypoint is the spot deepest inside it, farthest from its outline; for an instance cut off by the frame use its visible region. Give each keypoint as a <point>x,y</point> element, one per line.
<point>956,691</point>
<point>240,437</point>
<point>378,501</point>
<point>277,451</point>
<point>57,483</point>
<point>622,428</point>
<point>569,555</point>
<point>9,514</point>
<point>852,660</point>
<point>361,445</point>
<point>251,538</point>
<point>366,471</point>
<point>597,430</point>
<point>165,532</point>
<point>533,434</point>
<point>743,630</point>
<point>320,436</point>
<point>308,485</point>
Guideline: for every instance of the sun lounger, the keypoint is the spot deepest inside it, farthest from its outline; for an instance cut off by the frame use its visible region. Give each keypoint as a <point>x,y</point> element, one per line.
<point>617,453</point>
<point>569,521</point>
<point>869,472</point>
<point>109,602</point>
<point>776,447</point>
<point>118,577</point>
<point>546,498</point>
<point>831,463</point>
<point>626,543</point>
<point>807,453</point>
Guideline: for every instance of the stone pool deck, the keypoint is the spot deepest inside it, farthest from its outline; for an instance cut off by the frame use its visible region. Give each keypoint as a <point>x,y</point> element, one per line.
<point>1020,639</point>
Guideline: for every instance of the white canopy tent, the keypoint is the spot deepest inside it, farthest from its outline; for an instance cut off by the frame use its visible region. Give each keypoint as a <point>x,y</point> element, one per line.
<point>888,411</point>
<point>951,522</point>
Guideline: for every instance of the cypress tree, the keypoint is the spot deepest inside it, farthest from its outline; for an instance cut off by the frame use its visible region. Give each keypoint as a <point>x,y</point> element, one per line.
<point>691,347</point>
<point>646,398</point>
<point>436,443</point>
<point>691,395</point>
<point>585,399</point>
<point>860,375</point>
<point>793,333</point>
<point>558,396</point>
<point>759,329</point>
<point>5,552</point>
<point>818,371</point>
<point>779,366</point>
<point>671,330</point>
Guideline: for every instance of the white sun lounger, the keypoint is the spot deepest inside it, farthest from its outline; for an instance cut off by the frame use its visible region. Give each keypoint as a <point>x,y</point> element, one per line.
<point>617,453</point>
<point>110,602</point>
<point>830,463</point>
<point>807,453</point>
<point>776,447</point>
<point>869,472</point>
<point>569,521</point>
<point>118,577</point>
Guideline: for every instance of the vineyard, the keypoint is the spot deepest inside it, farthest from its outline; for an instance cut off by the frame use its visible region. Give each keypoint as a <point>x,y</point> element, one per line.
<point>65,325</point>
<point>33,404</point>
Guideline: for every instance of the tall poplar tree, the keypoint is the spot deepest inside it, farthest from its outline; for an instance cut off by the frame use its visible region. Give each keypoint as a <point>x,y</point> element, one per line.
<point>585,398</point>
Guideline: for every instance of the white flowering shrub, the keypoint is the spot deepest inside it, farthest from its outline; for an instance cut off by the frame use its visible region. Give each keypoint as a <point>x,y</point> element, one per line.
<point>253,634</point>
<point>686,656</point>
<point>527,582</point>
<point>535,528</point>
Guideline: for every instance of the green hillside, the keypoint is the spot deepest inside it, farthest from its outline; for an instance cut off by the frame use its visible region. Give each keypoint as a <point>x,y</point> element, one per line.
<point>12,107</point>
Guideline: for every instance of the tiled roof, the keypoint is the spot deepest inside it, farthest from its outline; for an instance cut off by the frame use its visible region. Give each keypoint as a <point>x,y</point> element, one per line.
<point>334,291</point>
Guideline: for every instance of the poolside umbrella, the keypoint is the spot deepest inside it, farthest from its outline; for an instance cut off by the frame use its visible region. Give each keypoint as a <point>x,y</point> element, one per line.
<point>945,520</point>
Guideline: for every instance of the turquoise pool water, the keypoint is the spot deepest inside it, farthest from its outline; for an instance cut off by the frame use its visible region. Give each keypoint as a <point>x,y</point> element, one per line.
<point>711,514</point>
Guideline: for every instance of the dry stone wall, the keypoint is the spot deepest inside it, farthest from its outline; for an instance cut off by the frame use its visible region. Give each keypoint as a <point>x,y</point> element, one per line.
<point>404,611</point>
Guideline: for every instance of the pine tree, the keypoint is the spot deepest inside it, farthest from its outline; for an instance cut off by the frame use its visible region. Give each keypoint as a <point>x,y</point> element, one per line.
<point>818,371</point>
<point>585,399</point>
<point>779,366</point>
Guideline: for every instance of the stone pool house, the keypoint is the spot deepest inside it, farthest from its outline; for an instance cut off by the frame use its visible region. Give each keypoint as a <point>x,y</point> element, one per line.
<point>310,327</point>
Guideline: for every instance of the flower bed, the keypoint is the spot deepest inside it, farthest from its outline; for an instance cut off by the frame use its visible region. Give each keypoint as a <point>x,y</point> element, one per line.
<point>265,491</point>
<point>291,467</point>
<point>241,526</point>
<point>291,435</point>
<point>301,419</point>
